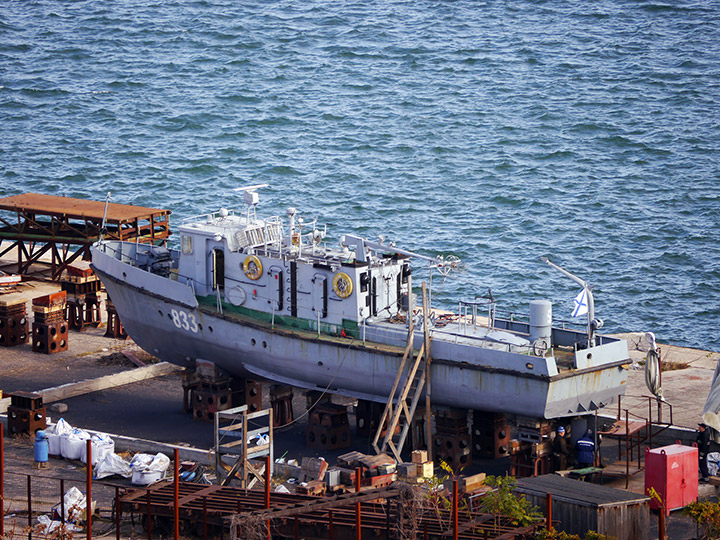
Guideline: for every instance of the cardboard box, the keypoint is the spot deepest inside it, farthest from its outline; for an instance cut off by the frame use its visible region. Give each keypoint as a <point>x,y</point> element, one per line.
<point>419,456</point>
<point>427,469</point>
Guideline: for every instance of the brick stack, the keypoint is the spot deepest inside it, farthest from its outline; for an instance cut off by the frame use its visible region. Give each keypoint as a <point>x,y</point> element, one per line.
<point>83,299</point>
<point>26,413</point>
<point>50,329</point>
<point>13,322</point>
<point>114,326</point>
<point>491,435</point>
<point>452,440</point>
<point>328,427</point>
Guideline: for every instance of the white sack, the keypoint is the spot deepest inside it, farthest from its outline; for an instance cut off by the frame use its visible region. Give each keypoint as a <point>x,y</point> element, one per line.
<point>111,464</point>
<point>72,444</point>
<point>101,444</point>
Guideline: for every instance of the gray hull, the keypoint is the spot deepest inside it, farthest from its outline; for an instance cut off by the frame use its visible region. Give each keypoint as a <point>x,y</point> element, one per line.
<point>165,319</point>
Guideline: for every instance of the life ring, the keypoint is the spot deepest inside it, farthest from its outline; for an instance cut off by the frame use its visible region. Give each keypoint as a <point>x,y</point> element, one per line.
<point>252,267</point>
<point>342,285</point>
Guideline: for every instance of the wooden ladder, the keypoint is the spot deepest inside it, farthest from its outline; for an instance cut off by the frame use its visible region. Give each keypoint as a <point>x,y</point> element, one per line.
<point>397,413</point>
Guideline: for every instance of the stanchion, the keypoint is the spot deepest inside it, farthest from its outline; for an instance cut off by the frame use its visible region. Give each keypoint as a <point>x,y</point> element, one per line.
<point>88,490</point>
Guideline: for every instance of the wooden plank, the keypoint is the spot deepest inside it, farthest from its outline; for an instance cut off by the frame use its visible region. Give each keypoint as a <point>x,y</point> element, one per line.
<point>87,386</point>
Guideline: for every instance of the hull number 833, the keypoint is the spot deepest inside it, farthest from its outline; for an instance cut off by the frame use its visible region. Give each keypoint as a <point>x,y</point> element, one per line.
<point>184,320</point>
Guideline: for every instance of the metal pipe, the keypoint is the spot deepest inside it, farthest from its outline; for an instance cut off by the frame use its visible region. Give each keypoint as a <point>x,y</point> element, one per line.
<point>588,291</point>
<point>176,495</point>
<point>331,527</point>
<point>88,489</point>
<point>358,524</point>
<point>29,500</point>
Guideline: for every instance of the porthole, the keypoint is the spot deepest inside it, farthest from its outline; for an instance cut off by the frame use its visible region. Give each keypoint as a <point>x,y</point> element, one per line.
<point>252,342</point>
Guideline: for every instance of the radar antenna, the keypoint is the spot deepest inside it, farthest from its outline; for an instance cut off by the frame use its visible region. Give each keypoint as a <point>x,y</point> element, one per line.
<point>250,200</point>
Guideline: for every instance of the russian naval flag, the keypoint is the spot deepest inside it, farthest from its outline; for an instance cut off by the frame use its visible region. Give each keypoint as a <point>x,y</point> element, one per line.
<point>581,306</point>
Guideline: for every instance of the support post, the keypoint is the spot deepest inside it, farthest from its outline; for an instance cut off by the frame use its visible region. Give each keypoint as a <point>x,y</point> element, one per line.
<point>117,513</point>
<point>358,523</point>
<point>267,491</point>
<point>29,504</point>
<point>455,508</point>
<point>2,481</point>
<point>88,489</point>
<point>428,379</point>
<point>149,517</point>
<point>62,501</point>
<point>204,518</point>
<point>176,495</point>
<point>548,513</point>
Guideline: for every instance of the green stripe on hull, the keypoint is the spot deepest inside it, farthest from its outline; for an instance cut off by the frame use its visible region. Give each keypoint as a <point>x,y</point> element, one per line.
<point>351,328</point>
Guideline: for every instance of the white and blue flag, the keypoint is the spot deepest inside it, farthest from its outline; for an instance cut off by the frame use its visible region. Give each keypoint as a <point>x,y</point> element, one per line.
<point>581,304</point>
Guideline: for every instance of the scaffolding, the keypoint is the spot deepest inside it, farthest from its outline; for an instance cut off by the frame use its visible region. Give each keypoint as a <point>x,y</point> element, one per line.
<point>65,228</point>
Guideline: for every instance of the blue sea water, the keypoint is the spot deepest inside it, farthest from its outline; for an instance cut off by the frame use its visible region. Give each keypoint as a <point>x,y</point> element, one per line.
<point>497,131</point>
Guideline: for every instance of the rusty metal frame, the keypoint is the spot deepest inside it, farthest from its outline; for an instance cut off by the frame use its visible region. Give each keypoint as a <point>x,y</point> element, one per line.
<point>308,516</point>
<point>46,223</point>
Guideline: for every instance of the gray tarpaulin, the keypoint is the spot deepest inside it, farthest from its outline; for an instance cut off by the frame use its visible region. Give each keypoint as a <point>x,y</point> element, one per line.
<point>711,412</point>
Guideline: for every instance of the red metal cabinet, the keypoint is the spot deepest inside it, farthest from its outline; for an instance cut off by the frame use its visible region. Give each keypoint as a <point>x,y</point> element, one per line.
<point>673,472</point>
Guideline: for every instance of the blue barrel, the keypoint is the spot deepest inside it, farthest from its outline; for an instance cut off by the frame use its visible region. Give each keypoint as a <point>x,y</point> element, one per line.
<point>41,447</point>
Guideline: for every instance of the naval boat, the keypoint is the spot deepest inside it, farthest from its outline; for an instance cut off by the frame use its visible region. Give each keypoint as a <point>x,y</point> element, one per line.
<point>267,300</point>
